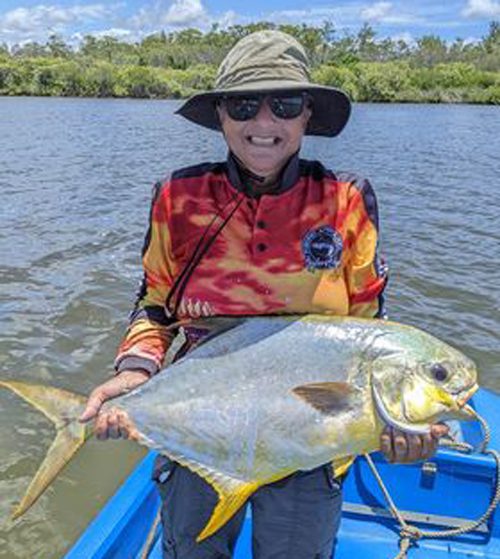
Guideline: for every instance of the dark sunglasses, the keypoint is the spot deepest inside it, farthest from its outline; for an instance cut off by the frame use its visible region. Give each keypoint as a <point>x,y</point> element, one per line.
<point>284,105</point>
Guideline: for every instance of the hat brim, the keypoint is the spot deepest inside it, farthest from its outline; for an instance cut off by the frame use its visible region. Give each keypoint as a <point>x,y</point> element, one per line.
<point>331,106</point>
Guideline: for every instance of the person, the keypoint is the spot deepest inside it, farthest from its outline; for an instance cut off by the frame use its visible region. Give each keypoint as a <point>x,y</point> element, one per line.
<point>263,232</point>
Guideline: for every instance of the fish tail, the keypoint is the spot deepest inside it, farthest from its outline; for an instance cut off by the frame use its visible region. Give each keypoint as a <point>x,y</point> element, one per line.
<point>229,503</point>
<point>62,408</point>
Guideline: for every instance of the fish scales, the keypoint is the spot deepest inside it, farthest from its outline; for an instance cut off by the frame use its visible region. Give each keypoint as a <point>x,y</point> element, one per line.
<point>230,404</point>
<point>273,395</point>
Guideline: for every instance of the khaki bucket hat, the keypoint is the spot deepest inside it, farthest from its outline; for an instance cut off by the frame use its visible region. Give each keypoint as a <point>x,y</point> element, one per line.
<point>270,61</point>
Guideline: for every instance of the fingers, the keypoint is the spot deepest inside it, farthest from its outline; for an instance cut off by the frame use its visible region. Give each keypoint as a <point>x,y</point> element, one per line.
<point>114,424</point>
<point>124,382</point>
<point>94,403</point>
<point>404,448</point>
<point>439,430</point>
<point>386,446</point>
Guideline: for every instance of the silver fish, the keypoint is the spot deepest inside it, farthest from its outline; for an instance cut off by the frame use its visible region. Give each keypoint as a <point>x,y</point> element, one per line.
<point>273,395</point>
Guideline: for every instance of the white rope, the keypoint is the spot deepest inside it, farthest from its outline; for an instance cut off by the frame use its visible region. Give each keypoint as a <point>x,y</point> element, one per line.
<point>410,533</point>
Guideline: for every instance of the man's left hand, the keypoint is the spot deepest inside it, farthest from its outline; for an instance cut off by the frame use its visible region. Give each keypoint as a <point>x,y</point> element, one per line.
<point>404,448</point>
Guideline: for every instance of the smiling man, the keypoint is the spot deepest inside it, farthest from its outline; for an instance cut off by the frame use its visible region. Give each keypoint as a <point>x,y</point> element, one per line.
<point>264,232</point>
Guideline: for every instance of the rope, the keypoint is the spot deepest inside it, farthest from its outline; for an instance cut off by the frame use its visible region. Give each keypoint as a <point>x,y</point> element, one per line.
<point>409,533</point>
<point>151,537</point>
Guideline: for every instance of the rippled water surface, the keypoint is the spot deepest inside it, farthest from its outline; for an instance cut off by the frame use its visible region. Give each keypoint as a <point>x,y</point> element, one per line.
<point>75,181</point>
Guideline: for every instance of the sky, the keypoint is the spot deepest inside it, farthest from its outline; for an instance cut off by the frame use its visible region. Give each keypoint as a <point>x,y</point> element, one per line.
<point>35,20</point>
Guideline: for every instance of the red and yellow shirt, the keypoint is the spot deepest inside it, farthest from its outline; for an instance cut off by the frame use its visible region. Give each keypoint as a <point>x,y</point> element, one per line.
<point>214,250</point>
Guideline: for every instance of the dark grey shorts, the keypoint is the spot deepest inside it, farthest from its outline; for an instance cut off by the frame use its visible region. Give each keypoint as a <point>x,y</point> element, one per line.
<point>294,518</point>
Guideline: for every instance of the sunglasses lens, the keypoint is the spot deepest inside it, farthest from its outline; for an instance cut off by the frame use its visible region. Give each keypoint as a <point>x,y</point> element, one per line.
<point>242,108</point>
<point>287,106</point>
<point>282,106</point>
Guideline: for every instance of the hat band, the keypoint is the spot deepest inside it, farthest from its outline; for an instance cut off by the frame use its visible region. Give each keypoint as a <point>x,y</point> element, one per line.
<point>254,75</point>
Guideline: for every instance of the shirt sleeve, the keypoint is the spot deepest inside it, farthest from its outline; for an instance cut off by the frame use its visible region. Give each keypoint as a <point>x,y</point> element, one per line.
<point>366,273</point>
<point>151,331</point>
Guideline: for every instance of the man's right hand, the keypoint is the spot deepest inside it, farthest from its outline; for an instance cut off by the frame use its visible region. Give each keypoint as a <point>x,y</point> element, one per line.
<point>112,422</point>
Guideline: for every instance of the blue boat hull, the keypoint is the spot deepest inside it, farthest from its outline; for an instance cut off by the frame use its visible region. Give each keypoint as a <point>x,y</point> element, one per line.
<point>451,490</point>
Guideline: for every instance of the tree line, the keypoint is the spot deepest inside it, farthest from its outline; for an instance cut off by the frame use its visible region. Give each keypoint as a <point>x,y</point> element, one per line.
<point>178,64</point>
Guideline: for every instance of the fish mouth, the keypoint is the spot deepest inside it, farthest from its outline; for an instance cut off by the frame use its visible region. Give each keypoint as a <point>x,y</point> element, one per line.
<point>464,411</point>
<point>465,395</point>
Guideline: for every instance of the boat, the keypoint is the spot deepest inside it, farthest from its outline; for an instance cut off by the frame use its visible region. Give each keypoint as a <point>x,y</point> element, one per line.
<point>451,490</point>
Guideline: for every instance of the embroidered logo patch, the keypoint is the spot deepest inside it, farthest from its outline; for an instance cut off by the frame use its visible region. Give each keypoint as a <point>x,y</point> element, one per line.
<point>322,248</point>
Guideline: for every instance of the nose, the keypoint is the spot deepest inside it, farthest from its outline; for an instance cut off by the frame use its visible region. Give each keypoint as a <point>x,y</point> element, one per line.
<point>265,114</point>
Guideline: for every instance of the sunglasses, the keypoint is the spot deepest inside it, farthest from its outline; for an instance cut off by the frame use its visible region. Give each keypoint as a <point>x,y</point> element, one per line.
<point>284,105</point>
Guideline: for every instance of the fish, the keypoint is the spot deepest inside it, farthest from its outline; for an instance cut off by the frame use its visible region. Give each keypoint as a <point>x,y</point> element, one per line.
<point>272,395</point>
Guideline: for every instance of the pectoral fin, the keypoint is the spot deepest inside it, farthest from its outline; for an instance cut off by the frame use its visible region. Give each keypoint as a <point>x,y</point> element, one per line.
<point>62,408</point>
<point>327,397</point>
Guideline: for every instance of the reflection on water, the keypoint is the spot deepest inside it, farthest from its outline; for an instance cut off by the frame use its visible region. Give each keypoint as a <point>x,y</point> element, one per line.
<point>75,179</point>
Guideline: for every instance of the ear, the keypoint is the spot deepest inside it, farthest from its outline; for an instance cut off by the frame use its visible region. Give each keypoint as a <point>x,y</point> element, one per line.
<point>306,115</point>
<point>221,112</point>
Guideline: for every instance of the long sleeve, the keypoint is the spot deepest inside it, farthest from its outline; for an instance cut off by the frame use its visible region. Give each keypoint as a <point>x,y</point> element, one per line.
<point>366,275</point>
<point>150,331</point>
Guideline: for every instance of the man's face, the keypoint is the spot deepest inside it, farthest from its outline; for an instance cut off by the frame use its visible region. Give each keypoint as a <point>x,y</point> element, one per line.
<point>265,142</point>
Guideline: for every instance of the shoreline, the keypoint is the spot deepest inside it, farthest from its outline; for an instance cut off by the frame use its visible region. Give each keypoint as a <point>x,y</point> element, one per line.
<point>173,98</point>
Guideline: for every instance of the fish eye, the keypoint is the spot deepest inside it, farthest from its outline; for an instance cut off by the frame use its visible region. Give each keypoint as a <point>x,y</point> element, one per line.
<point>439,372</point>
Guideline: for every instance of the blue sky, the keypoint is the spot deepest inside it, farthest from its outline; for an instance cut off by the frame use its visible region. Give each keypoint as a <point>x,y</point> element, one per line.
<point>35,20</point>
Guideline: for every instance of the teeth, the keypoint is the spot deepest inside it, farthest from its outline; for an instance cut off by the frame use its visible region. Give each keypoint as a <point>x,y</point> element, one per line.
<point>263,141</point>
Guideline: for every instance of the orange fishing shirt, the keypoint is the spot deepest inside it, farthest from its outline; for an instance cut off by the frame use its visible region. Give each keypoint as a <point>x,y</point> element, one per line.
<point>212,249</point>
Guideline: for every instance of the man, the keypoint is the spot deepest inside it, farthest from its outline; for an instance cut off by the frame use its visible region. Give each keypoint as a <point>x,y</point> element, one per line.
<point>262,233</point>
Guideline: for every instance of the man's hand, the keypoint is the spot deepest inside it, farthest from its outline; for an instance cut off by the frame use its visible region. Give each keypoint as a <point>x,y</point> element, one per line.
<point>404,448</point>
<point>112,422</point>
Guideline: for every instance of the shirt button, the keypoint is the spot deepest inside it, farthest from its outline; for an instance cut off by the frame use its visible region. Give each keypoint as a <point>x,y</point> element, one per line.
<point>261,247</point>
<point>261,224</point>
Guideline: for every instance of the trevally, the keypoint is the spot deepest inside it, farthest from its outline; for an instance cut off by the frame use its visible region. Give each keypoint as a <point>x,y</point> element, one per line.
<point>272,395</point>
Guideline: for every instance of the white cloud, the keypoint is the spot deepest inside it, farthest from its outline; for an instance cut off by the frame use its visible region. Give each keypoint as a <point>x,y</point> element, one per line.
<point>184,12</point>
<point>188,13</point>
<point>406,37</point>
<point>378,11</point>
<point>346,16</point>
<point>29,20</point>
<point>481,9</point>
<point>116,32</point>
<point>226,19</point>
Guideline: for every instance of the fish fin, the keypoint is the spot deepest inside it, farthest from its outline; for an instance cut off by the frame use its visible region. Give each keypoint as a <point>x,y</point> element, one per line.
<point>68,440</point>
<point>55,403</point>
<point>341,465</point>
<point>233,494</point>
<point>62,408</point>
<point>326,397</point>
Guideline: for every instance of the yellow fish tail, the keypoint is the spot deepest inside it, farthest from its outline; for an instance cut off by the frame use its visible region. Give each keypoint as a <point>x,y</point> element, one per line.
<point>62,408</point>
<point>229,503</point>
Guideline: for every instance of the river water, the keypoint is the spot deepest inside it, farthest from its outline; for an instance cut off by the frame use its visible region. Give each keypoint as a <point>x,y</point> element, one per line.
<point>75,182</point>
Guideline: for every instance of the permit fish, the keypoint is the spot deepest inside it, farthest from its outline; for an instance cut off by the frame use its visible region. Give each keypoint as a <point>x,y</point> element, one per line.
<point>272,395</point>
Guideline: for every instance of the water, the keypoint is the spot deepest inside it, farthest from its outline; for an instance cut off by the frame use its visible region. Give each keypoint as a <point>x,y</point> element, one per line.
<point>75,180</point>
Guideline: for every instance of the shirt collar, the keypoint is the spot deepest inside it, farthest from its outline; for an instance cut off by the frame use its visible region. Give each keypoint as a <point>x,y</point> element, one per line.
<point>289,176</point>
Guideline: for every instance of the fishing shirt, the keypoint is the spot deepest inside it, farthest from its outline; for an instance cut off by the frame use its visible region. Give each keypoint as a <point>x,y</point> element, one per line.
<point>213,248</point>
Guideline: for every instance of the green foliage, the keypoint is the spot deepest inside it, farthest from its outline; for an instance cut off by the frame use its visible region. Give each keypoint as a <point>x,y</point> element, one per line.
<point>338,76</point>
<point>382,81</point>
<point>181,63</point>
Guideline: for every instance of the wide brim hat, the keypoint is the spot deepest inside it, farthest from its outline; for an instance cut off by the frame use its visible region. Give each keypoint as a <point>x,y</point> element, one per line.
<point>266,62</point>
